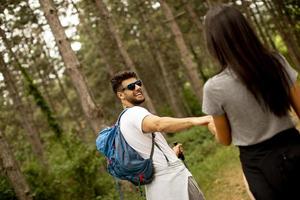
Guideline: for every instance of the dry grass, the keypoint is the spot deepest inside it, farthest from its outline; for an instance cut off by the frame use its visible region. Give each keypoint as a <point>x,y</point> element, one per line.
<point>229,185</point>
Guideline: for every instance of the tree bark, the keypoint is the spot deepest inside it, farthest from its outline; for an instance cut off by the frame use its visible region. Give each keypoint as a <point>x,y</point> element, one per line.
<point>290,25</point>
<point>110,69</point>
<point>92,112</point>
<point>193,16</point>
<point>127,59</point>
<point>195,20</point>
<point>73,114</point>
<point>172,96</point>
<point>13,171</point>
<point>246,6</point>
<point>26,121</point>
<point>284,31</point>
<point>31,87</point>
<point>264,26</point>
<point>186,55</point>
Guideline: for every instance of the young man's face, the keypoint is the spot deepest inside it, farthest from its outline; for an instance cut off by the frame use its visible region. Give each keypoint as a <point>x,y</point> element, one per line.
<point>131,92</point>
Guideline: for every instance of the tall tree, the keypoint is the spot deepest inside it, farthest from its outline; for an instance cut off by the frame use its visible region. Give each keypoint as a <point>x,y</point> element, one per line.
<point>92,111</point>
<point>197,22</point>
<point>31,87</point>
<point>265,26</point>
<point>83,20</point>
<point>186,56</point>
<point>158,56</point>
<point>13,171</point>
<point>125,55</point>
<point>262,35</point>
<point>283,28</point>
<point>26,121</point>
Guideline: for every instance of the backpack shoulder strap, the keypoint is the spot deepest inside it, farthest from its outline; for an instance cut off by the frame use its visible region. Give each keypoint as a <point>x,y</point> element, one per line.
<point>153,137</point>
<point>119,118</point>
<point>152,149</point>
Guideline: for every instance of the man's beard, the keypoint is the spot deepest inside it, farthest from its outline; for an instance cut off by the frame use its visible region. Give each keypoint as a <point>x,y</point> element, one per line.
<point>136,102</point>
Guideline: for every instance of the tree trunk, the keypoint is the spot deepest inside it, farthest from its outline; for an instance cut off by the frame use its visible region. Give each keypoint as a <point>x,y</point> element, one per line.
<point>44,86</point>
<point>198,60</point>
<point>110,69</point>
<point>195,20</point>
<point>246,6</point>
<point>186,55</point>
<point>31,87</point>
<point>282,27</point>
<point>26,121</point>
<point>37,69</point>
<point>172,96</point>
<point>13,171</point>
<point>45,51</point>
<point>92,112</point>
<point>265,26</point>
<point>193,16</point>
<point>127,59</point>
<point>290,25</point>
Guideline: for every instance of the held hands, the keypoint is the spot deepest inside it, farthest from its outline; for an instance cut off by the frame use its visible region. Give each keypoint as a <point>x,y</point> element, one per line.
<point>212,127</point>
<point>209,122</point>
<point>202,121</point>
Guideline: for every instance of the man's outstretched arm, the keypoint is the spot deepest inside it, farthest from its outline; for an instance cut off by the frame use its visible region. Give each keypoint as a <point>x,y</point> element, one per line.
<point>153,123</point>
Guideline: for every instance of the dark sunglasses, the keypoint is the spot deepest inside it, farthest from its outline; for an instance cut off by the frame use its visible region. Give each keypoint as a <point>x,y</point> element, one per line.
<point>131,86</point>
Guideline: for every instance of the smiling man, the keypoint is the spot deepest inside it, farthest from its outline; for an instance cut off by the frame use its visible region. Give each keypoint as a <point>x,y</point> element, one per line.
<point>172,180</point>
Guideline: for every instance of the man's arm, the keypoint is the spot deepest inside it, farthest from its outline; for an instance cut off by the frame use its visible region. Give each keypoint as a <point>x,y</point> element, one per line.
<point>153,123</point>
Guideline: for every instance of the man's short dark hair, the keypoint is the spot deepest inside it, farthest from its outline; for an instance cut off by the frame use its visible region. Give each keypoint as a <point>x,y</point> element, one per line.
<point>117,79</point>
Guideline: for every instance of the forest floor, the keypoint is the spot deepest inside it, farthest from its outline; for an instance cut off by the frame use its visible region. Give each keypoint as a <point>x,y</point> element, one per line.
<point>228,183</point>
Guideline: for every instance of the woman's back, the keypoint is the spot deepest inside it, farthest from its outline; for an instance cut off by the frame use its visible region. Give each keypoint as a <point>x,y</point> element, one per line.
<point>234,44</point>
<point>249,122</point>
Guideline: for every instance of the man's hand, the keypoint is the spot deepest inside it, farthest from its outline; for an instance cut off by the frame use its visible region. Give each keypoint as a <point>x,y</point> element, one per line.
<point>202,121</point>
<point>212,127</point>
<point>178,149</point>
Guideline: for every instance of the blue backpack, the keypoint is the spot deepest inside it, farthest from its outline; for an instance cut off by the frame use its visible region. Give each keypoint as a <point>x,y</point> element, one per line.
<point>123,161</point>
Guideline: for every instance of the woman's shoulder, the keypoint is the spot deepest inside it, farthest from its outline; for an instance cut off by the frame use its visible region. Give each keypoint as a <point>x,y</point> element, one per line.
<point>220,79</point>
<point>291,72</point>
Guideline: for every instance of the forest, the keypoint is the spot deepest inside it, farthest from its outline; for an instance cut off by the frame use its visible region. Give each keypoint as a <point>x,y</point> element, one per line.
<point>56,61</point>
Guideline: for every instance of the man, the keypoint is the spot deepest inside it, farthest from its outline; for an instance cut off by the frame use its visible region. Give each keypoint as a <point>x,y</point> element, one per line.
<point>172,180</point>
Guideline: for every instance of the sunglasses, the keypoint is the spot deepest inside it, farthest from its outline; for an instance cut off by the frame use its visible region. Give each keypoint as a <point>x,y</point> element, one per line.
<point>131,86</point>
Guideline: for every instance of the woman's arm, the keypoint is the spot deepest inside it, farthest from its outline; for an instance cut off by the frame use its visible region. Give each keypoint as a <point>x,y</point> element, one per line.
<point>221,129</point>
<point>295,94</point>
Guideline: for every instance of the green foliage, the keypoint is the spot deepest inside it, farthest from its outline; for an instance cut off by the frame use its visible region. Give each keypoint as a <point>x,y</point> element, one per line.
<point>191,100</point>
<point>82,176</point>
<point>41,102</point>
<point>6,192</point>
<point>280,44</point>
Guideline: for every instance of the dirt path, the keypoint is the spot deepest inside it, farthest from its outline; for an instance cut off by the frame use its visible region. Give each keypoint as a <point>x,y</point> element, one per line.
<point>228,183</point>
<point>229,186</point>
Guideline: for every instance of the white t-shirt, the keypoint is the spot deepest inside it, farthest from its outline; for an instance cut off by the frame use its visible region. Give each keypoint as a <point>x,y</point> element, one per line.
<point>131,128</point>
<point>170,181</point>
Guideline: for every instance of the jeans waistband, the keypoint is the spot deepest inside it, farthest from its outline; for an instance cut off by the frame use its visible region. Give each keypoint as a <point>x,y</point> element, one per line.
<point>288,135</point>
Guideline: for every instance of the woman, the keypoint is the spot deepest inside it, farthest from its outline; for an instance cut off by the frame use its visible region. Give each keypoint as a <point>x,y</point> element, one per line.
<point>250,101</point>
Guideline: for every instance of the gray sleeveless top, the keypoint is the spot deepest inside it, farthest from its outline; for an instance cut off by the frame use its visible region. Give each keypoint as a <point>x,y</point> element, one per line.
<point>250,124</point>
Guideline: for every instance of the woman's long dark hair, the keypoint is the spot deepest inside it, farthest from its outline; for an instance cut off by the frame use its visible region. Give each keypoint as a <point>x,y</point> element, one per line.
<point>232,41</point>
